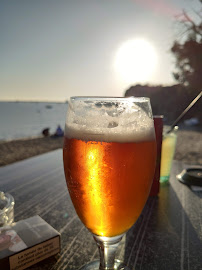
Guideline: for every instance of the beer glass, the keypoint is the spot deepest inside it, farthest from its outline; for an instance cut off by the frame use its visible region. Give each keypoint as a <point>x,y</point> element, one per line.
<point>109,160</point>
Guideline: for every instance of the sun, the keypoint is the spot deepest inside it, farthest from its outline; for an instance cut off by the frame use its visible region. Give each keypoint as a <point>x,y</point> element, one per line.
<point>135,61</point>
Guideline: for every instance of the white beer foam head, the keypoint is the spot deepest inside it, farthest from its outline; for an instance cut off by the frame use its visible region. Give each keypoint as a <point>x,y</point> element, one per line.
<point>111,120</point>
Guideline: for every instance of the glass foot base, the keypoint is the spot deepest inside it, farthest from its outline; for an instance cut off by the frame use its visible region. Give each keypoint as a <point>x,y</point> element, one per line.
<point>95,266</point>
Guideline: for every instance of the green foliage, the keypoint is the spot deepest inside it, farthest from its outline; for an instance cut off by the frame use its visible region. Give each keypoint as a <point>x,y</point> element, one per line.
<point>188,53</point>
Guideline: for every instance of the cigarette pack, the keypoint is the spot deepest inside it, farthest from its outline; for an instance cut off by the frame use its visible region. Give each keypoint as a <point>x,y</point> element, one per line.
<point>27,242</point>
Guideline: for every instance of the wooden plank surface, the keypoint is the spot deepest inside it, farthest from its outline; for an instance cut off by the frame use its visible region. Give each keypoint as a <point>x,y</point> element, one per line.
<point>166,236</point>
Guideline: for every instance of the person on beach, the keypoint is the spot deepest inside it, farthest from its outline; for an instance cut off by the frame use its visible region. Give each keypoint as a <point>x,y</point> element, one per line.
<point>45,132</point>
<point>59,132</point>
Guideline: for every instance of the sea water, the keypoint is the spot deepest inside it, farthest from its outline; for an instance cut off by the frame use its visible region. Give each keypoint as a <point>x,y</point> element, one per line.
<point>28,119</point>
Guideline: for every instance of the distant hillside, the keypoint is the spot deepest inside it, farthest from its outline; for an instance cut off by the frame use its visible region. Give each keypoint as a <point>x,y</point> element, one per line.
<point>169,101</point>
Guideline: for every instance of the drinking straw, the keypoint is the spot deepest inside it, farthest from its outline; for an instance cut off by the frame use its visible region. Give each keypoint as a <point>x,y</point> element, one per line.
<point>184,112</point>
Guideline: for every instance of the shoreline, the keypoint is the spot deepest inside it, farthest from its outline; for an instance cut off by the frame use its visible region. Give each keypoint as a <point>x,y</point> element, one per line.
<point>188,148</point>
<point>15,150</point>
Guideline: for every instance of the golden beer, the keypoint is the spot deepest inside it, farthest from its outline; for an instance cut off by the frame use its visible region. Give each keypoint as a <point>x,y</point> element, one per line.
<point>109,182</point>
<point>109,159</point>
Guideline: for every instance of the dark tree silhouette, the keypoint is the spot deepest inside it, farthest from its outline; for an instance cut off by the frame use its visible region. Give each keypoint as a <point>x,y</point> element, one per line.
<point>188,51</point>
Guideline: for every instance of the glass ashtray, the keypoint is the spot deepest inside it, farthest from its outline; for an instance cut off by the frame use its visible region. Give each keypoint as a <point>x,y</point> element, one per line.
<point>191,176</point>
<point>6,209</point>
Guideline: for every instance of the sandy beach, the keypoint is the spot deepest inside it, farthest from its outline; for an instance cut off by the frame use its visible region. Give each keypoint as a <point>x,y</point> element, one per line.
<point>188,149</point>
<point>16,150</point>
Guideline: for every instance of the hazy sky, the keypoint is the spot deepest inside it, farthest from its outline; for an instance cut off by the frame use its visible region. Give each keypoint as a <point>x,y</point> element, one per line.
<point>54,49</point>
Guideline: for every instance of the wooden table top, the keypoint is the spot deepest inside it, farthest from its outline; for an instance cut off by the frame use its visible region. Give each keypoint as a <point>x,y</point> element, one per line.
<point>166,236</point>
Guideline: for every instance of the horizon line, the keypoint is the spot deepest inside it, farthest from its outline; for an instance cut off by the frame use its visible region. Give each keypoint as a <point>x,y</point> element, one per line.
<point>34,101</point>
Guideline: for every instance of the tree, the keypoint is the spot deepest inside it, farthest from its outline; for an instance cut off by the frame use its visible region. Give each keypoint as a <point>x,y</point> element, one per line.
<point>188,51</point>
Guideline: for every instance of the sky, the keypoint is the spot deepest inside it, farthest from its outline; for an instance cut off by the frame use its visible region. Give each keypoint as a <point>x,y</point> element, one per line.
<point>51,50</point>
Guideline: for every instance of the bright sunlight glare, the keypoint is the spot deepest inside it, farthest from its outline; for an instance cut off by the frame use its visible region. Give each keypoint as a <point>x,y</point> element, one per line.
<point>135,61</point>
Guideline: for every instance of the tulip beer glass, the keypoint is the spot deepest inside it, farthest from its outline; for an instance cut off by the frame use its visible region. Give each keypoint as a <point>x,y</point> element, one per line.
<point>109,160</point>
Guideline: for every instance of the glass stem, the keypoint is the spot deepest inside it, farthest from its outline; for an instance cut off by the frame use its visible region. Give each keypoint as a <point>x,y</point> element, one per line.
<point>107,248</point>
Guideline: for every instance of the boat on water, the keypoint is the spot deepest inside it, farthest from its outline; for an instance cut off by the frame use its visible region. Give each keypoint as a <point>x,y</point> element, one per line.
<point>49,106</point>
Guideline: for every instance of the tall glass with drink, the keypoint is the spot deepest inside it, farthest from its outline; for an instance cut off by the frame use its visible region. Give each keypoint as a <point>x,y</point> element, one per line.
<point>167,153</point>
<point>109,161</point>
